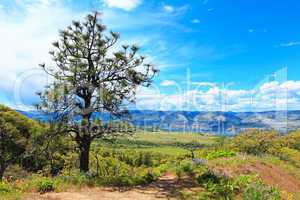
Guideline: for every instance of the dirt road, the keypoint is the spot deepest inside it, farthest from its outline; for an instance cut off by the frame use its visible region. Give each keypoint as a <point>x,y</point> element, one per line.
<point>167,187</point>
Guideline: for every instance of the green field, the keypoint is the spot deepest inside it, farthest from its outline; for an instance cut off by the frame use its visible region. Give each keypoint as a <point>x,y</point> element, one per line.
<point>161,142</point>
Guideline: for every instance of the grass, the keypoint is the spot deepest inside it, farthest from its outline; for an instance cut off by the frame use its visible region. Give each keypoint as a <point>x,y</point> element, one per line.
<point>165,143</point>
<point>163,138</point>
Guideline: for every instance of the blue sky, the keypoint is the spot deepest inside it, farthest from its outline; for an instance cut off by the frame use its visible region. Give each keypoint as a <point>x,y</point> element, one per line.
<point>200,46</point>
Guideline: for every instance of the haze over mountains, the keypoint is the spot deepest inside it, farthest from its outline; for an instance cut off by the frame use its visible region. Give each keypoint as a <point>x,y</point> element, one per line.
<point>205,122</point>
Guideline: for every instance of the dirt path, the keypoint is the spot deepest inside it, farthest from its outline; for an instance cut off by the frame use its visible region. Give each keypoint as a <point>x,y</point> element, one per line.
<point>96,194</point>
<point>167,187</point>
<point>270,174</point>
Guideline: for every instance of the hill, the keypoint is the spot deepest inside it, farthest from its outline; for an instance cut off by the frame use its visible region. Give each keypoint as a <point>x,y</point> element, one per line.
<point>229,123</point>
<point>161,166</point>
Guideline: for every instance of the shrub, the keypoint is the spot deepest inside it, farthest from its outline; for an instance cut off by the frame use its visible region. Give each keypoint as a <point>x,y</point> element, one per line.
<point>4,188</point>
<point>220,154</point>
<point>120,181</point>
<point>132,158</point>
<point>254,141</point>
<point>149,177</point>
<point>291,140</point>
<point>45,185</point>
<point>187,167</point>
<point>179,172</point>
<point>208,176</point>
<point>76,178</point>
<point>294,139</point>
<point>217,187</point>
<point>114,173</point>
<point>287,154</point>
<point>243,181</point>
<point>225,189</point>
<point>260,191</point>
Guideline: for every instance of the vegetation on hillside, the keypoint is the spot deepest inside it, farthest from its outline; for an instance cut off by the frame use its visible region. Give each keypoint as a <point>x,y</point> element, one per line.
<point>230,168</point>
<point>17,133</point>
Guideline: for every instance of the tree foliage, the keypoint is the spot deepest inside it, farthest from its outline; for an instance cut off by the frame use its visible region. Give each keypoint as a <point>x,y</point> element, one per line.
<point>255,141</point>
<point>47,151</point>
<point>15,133</point>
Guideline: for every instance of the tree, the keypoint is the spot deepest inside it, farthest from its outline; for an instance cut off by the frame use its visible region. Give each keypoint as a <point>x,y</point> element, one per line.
<point>90,77</point>
<point>15,133</point>
<point>47,151</point>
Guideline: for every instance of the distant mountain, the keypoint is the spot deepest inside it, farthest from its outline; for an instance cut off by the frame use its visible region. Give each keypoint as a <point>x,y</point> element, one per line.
<point>205,122</point>
<point>35,115</point>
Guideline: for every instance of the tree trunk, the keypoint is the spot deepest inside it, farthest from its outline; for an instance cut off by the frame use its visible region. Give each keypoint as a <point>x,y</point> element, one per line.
<point>2,170</point>
<point>85,141</point>
<point>84,156</point>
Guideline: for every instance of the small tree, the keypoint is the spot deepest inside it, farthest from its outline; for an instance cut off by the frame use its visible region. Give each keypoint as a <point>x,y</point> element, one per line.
<point>8,147</point>
<point>15,133</point>
<point>90,77</point>
<point>47,151</point>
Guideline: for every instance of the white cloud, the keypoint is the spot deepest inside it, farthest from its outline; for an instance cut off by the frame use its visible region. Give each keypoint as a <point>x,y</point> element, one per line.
<point>168,83</point>
<point>175,11</point>
<point>205,84</point>
<point>251,30</point>
<point>169,8</point>
<point>127,5</point>
<point>269,96</point>
<point>195,21</point>
<point>290,44</point>
<point>30,28</point>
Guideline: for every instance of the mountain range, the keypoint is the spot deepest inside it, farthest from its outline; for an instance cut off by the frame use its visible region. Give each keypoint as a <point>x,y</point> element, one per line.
<point>228,123</point>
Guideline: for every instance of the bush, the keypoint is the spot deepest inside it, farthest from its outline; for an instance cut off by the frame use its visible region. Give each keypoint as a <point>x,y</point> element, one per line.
<point>220,154</point>
<point>291,140</point>
<point>45,185</point>
<point>129,157</point>
<point>75,178</point>
<point>287,154</point>
<point>120,181</point>
<point>187,167</point>
<point>208,176</point>
<point>150,177</point>
<point>254,141</point>
<point>260,191</point>
<point>294,139</point>
<point>112,172</point>
<point>4,188</point>
<point>243,181</point>
<point>179,172</point>
<point>217,187</point>
<point>249,186</point>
